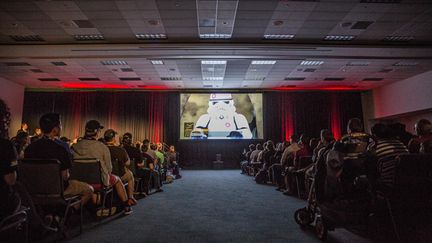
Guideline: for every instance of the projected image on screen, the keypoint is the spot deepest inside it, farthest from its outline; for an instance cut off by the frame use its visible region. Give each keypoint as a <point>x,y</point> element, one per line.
<point>221,116</point>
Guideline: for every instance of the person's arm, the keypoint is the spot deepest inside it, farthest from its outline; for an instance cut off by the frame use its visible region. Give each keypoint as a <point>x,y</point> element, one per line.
<point>10,178</point>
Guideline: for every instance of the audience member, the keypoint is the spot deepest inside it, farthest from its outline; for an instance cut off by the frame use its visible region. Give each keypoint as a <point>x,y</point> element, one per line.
<point>36,135</point>
<point>386,148</point>
<point>49,147</point>
<point>9,200</point>
<point>247,159</point>
<point>173,161</point>
<point>89,147</point>
<point>21,141</point>
<point>24,128</point>
<point>400,132</point>
<point>356,141</point>
<point>120,156</point>
<point>423,129</point>
<point>426,147</point>
<point>152,163</point>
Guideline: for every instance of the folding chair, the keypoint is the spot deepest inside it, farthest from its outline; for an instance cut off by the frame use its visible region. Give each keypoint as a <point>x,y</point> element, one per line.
<point>43,180</point>
<point>15,220</point>
<point>89,170</point>
<point>138,181</point>
<point>116,170</point>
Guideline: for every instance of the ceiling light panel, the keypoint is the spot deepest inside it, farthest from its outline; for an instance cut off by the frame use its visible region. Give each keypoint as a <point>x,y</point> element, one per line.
<point>213,70</point>
<point>311,63</point>
<point>399,38</point>
<point>259,70</point>
<point>113,62</point>
<point>169,71</point>
<point>405,64</point>
<point>157,62</point>
<point>279,37</point>
<point>263,62</point>
<point>339,38</point>
<point>216,18</point>
<point>143,19</point>
<point>90,37</point>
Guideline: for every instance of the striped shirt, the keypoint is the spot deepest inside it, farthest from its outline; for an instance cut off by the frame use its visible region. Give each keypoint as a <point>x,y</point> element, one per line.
<point>386,151</point>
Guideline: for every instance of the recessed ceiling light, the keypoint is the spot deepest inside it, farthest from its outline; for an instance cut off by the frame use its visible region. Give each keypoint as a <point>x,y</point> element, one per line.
<point>89,37</point>
<point>213,78</point>
<point>130,79</point>
<point>157,62</point>
<point>153,22</point>
<point>89,79</point>
<point>263,62</point>
<point>311,63</point>
<point>279,37</point>
<point>215,36</point>
<point>114,62</point>
<point>49,79</point>
<point>213,62</point>
<point>339,37</point>
<point>59,63</point>
<point>150,36</point>
<point>399,38</point>
<point>405,64</point>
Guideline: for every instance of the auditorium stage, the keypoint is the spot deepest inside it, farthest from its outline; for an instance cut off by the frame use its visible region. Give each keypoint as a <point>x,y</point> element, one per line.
<point>211,206</point>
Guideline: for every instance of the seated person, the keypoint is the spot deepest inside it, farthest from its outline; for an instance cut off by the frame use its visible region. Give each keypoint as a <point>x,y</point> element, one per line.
<point>285,160</point>
<point>172,162</point>
<point>49,147</point>
<point>254,162</point>
<point>426,147</point>
<point>152,162</point>
<point>21,141</point>
<point>158,159</point>
<point>9,201</point>
<point>423,129</point>
<point>90,147</point>
<point>244,164</point>
<point>325,143</point>
<point>386,149</point>
<point>120,156</point>
<point>356,141</point>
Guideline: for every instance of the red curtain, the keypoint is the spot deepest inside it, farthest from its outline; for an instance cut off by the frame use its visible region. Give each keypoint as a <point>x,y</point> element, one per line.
<point>335,116</point>
<point>287,115</point>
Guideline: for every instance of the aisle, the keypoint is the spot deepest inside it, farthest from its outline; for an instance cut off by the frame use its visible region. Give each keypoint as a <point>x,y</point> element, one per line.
<point>210,206</point>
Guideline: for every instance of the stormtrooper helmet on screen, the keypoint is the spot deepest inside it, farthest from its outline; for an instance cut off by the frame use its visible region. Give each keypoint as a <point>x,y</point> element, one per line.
<point>221,106</point>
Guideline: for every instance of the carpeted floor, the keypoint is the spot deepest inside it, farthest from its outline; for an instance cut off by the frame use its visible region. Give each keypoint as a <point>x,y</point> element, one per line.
<point>211,206</point>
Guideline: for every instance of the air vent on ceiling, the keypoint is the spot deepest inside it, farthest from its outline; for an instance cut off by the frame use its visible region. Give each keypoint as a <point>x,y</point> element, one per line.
<point>113,62</point>
<point>215,36</point>
<point>399,38</point>
<point>386,70</point>
<point>150,36</point>
<point>127,70</point>
<point>170,78</point>
<point>311,63</point>
<point>372,79</point>
<point>26,38</point>
<point>49,79</point>
<point>130,79</point>
<point>255,79</point>
<point>94,37</point>
<point>309,70</point>
<point>89,79</point>
<point>380,1</point>
<point>294,78</point>
<point>279,37</point>
<point>339,37</point>
<point>16,64</point>
<point>334,79</point>
<point>361,25</point>
<point>405,64</point>
<point>59,63</point>
<point>358,63</point>
<point>36,70</point>
<point>83,23</point>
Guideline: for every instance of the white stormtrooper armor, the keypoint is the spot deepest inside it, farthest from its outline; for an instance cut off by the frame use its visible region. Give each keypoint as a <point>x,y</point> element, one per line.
<point>222,121</point>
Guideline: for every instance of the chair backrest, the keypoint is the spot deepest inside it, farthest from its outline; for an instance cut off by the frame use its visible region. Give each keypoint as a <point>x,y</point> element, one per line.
<point>414,171</point>
<point>132,166</point>
<point>87,170</point>
<point>115,167</point>
<point>41,177</point>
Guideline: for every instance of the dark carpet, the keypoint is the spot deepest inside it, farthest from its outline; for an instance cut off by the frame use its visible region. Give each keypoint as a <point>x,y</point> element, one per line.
<point>211,206</point>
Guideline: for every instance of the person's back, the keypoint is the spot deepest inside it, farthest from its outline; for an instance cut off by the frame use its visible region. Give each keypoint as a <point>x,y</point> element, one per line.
<point>355,143</point>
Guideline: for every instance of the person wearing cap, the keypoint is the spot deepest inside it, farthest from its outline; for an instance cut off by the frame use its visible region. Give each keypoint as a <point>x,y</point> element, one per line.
<point>90,147</point>
<point>50,147</point>
<point>120,156</point>
<point>222,120</point>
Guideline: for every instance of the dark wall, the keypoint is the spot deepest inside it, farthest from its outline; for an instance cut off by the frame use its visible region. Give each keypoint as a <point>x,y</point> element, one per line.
<point>142,112</point>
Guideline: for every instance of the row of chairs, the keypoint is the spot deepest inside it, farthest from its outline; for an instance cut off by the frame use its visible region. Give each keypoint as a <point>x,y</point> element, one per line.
<point>43,183</point>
